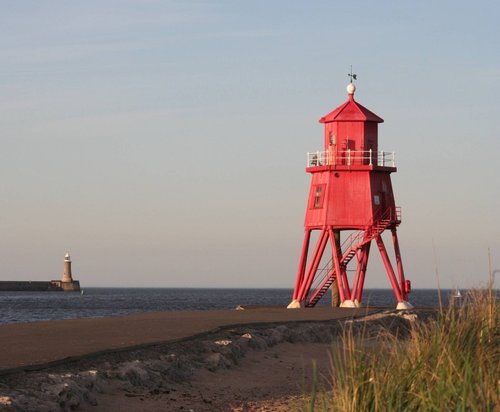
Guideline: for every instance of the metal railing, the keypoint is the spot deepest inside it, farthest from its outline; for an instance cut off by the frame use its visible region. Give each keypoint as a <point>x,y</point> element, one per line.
<point>391,214</point>
<point>351,158</point>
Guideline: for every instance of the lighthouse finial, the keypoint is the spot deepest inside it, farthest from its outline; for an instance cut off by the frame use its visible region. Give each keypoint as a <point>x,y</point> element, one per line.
<point>350,87</point>
<point>352,75</point>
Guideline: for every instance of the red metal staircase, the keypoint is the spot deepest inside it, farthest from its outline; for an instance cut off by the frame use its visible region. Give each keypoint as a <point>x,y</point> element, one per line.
<point>325,276</point>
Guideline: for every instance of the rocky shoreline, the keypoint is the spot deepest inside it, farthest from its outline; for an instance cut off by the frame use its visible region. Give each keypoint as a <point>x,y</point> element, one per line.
<point>151,371</point>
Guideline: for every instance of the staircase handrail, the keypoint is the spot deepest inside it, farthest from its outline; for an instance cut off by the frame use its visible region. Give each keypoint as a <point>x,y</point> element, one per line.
<point>354,241</point>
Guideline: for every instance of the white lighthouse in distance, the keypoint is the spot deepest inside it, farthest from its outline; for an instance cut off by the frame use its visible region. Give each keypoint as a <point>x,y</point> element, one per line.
<point>67,282</point>
<point>67,276</point>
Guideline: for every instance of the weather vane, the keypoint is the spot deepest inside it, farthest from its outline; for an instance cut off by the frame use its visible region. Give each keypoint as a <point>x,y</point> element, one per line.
<point>352,76</point>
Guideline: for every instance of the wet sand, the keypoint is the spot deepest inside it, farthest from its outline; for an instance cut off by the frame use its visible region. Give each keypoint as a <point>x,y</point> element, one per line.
<point>30,345</point>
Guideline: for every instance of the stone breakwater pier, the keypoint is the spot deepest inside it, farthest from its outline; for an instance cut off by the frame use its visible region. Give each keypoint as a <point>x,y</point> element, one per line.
<point>66,284</point>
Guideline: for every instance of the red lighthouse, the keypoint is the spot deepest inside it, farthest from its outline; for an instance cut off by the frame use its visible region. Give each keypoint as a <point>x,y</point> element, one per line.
<point>350,203</point>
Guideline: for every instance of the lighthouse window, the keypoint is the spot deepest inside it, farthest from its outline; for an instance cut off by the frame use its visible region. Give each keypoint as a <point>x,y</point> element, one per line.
<point>333,138</point>
<point>317,197</point>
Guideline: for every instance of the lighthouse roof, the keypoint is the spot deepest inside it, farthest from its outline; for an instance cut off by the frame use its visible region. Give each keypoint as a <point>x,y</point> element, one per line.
<point>351,111</point>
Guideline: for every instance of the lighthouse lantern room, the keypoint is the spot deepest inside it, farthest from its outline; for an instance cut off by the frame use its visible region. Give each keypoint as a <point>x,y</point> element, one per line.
<point>350,203</point>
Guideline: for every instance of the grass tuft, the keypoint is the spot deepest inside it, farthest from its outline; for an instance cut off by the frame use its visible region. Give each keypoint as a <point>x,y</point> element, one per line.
<point>450,362</point>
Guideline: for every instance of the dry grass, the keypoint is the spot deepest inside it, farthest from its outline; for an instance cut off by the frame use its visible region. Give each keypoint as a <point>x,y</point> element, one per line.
<point>450,363</point>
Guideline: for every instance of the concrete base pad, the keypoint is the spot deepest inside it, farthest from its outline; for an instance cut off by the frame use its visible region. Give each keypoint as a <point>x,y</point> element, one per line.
<point>294,304</point>
<point>404,305</point>
<point>348,304</point>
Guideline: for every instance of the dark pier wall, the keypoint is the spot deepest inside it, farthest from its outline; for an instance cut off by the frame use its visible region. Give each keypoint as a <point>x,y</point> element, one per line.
<point>39,286</point>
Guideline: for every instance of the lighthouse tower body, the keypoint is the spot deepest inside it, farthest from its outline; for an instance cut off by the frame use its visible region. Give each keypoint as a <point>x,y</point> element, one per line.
<point>67,283</point>
<point>350,196</point>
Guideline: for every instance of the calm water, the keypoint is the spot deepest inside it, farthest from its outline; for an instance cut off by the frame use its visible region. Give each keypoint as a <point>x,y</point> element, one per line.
<point>96,302</point>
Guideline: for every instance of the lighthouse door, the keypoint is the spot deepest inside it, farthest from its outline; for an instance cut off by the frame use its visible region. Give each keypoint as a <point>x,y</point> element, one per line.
<point>383,203</point>
<point>382,211</point>
<point>380,203</point>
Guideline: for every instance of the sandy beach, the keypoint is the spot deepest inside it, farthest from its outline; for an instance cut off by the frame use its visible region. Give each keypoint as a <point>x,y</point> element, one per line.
<point>26,345</point>
<point>235,360</point>
<point>276,379</point>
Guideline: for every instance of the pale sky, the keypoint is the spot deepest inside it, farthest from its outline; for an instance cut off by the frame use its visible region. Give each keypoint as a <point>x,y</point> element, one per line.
<point>162,143</point>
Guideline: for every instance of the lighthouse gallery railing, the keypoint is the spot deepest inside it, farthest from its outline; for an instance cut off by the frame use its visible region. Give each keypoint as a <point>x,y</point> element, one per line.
<point>351,157</point>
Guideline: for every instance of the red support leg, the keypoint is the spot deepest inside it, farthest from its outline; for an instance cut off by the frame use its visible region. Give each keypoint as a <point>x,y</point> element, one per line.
<point>302,264</point>
<point>335,242</point>
<point>313,267</point>
<point>345,281</point>
<point>399,262</point>
<point>389,269</point>
<point>364,264</point>
<point>356,276</point>
<point>359,269</point>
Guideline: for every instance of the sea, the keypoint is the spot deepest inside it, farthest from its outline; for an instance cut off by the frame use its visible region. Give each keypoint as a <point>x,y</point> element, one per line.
<point>21,307</point>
